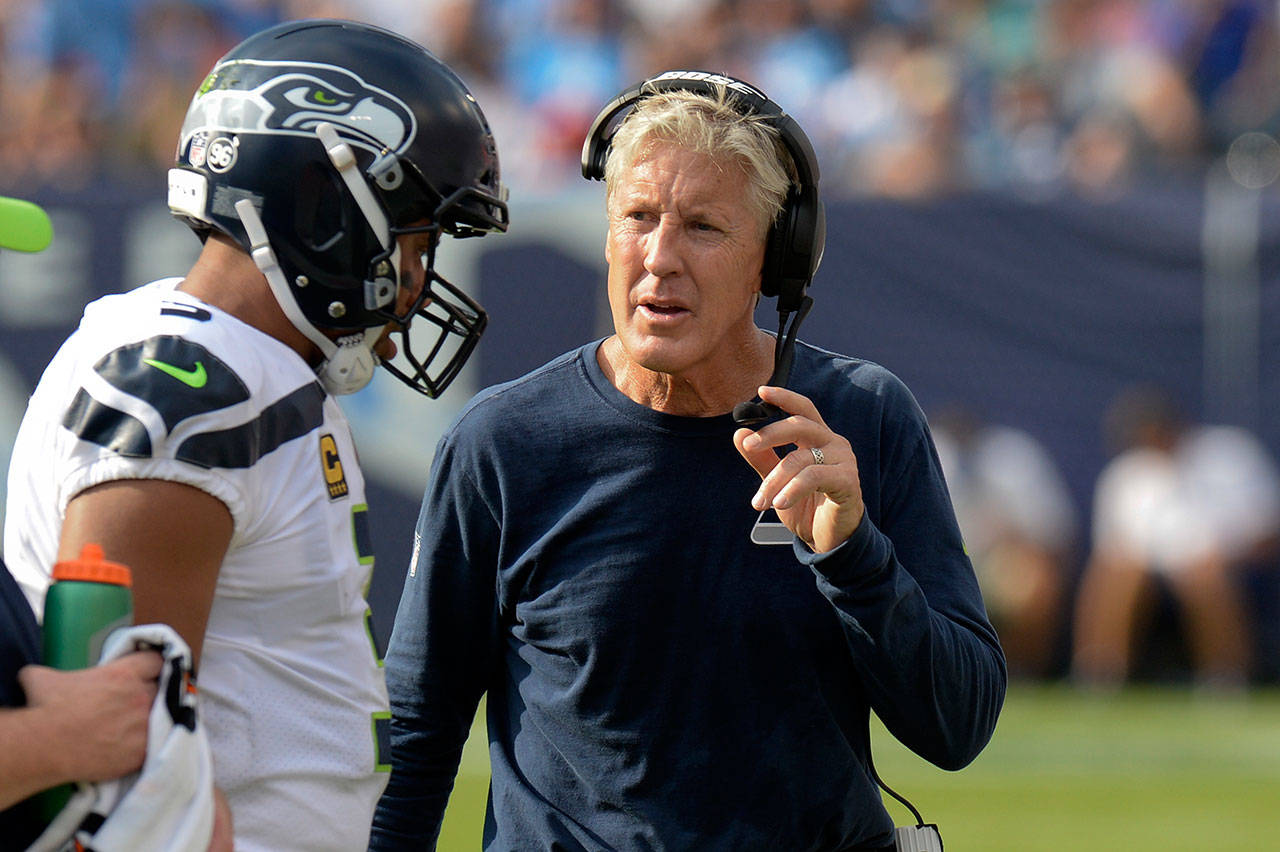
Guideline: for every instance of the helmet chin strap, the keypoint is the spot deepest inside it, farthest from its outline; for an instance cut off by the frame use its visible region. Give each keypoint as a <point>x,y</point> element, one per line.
<point>348,363</point>
<point>383,291</point>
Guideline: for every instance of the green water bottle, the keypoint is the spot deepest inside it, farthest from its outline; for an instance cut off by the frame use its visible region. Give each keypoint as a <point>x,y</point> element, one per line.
<point>89,597</point>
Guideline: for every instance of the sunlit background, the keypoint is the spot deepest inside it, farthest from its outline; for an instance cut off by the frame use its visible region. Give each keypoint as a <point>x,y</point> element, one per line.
<point>1034,206</point>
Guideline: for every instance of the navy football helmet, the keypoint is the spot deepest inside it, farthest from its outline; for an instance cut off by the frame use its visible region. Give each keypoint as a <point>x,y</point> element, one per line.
<point>313,144</point>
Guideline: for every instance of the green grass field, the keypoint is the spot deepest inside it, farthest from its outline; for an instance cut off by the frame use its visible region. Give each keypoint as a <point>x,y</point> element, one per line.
<point>1147,769</point>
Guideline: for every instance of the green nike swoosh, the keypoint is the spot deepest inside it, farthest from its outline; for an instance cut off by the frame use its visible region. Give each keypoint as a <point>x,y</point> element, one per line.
<point>194,378</point>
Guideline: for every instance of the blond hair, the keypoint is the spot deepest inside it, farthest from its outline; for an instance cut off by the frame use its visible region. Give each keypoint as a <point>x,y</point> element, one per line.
<point>714,126</point>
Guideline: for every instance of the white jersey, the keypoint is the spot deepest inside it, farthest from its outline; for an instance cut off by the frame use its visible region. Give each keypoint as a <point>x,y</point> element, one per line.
<point>155,384</point>
<point>1217,494</point>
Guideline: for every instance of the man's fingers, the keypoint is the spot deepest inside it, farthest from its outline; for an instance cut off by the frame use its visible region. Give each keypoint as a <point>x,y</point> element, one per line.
<point>41,683</point>
<point>144,664</point>
<point>814,487</point>
<point>31,677</point>
<point>796,476</point>
<point>792,403</point>
<point>760,456</point>
<point>803,426</point>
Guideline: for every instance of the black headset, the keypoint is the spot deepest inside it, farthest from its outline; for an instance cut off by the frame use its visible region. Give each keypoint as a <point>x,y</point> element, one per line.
<point>796,239</point>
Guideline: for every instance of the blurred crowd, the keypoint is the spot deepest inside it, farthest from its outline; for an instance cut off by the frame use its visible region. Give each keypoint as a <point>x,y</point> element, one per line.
<point>903,98</point>
<point>1185,521</point>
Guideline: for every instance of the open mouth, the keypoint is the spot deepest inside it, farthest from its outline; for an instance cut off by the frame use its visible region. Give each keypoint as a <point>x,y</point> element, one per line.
<point>660,309</point>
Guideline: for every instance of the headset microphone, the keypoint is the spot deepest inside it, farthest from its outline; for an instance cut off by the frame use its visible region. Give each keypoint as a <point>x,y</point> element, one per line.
<point>754,413</point>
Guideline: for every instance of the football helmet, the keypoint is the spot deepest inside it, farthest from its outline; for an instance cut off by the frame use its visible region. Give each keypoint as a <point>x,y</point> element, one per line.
<point>314,144</point>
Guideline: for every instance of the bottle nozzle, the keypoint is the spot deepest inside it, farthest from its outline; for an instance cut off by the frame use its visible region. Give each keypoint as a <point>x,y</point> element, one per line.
<point>92,566</point>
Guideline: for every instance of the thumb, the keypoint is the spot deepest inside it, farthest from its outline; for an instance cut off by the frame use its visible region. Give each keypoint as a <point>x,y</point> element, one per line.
<point>34,681</point>
<point>145,665</point>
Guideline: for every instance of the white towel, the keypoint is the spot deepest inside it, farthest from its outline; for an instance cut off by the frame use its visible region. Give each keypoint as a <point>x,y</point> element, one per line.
<point>168,805</point>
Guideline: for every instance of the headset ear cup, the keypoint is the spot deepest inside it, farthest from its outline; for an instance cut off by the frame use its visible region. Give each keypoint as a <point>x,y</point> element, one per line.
<point>594,152</point>
<point>811,227</point>
<point>786,250</point>
<point>599,155</point>
<point>775,250</point>
<point>801,247</point>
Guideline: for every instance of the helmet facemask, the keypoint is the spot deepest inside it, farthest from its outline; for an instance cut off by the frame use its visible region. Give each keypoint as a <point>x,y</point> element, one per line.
<point>454,321</point>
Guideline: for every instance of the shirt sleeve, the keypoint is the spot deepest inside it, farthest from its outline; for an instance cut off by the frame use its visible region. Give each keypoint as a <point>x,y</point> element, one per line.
<point>19,639</point>
<point>908,600</point>
<point>437,674</point>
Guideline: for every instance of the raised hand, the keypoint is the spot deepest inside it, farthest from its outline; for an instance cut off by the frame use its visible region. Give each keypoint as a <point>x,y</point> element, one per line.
<point>814,488</point>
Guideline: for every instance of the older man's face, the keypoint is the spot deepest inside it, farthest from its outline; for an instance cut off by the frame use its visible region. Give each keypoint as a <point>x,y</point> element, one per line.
<point>684,258</point>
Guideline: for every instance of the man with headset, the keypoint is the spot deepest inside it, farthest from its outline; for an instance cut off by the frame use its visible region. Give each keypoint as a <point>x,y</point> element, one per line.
<point>598,549</point>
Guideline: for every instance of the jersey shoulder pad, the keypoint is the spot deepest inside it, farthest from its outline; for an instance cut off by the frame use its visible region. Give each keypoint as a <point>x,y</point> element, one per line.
<point>177,377</point>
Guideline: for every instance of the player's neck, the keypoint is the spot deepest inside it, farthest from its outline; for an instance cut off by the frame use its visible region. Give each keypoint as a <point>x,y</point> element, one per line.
<point>227,278</point>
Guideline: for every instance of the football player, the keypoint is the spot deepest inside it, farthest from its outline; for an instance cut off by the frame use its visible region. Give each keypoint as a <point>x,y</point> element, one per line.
<point>190,427</point>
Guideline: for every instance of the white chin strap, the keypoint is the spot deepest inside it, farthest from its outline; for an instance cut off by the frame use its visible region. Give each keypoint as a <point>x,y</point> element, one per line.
<point>349,362</point>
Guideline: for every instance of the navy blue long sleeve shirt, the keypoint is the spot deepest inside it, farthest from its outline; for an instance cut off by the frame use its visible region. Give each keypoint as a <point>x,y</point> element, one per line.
<point>655,679</point>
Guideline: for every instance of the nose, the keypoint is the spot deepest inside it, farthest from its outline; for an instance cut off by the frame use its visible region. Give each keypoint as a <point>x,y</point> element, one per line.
<point>662,250</point>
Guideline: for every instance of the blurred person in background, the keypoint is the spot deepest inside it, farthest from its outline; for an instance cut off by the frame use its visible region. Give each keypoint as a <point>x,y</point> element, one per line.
<point>1019,529</point>
<point>1184,506</point>
<point>190,428</point>
<point>174,42</point>
<point>559,65</point>
<point>667,662</point>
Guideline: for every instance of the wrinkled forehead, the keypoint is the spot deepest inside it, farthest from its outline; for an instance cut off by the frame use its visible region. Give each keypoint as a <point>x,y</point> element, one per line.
<point>667,160</point>
<point>670,175</point>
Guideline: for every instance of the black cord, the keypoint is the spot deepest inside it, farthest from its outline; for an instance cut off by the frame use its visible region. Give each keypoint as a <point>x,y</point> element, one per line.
<point>871,766</point>
<point>753,413</point>
<point>919,820</point>
<point>784,348</point>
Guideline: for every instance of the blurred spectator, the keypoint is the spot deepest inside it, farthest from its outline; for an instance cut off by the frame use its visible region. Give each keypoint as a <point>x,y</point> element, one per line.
<point>560,65</point>
<point>1019,528</point>
<point>50,134</point>
<point>1185,506</point>
<point>175,41</point>
<point>663,34</point>
<point>903,98</point>
<point>787,54</point>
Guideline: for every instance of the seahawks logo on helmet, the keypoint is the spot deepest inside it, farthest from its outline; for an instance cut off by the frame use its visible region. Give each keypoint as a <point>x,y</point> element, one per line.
<point>292,99</point>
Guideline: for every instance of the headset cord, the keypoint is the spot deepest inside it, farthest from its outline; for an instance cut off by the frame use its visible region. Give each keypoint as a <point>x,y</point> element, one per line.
<point>871,767</point>
<point>784,348</point>
<point>753,413</point>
